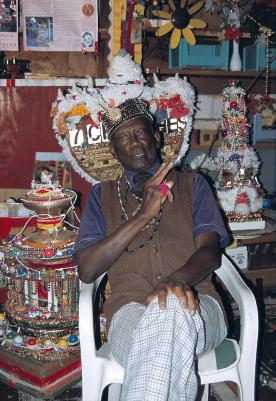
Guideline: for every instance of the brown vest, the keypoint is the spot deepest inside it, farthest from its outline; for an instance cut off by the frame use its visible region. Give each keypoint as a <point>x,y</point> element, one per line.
<point>134,276</point>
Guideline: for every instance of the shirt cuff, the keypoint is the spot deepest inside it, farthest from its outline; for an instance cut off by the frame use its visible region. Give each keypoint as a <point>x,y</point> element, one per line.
<point>210,227</point>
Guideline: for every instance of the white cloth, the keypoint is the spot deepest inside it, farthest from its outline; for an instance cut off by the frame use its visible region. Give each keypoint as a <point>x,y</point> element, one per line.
<point>158,347</point>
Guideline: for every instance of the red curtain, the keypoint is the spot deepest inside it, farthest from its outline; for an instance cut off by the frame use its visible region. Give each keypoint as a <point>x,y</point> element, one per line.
<point>26,128</point>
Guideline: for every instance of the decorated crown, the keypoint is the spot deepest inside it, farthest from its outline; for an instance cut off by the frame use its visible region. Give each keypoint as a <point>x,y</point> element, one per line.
<point>84,118</point>
<point>130,109</point>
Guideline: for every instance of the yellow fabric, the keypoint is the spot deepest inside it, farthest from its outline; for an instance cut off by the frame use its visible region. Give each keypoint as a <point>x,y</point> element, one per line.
<point>124,9</point>
<point>117,18</point>
<point>119,15</point>
<point>138,53</point>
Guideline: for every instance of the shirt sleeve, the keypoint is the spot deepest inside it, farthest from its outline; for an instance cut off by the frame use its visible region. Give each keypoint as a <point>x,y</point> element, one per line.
<point>206,214</point>
<point>92,226</point>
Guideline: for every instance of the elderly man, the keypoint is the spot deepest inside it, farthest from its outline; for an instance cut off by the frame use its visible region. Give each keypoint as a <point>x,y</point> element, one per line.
<point>158,234</point>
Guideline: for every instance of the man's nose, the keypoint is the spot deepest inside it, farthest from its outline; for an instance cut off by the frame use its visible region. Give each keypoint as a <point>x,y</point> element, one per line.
<point>134,139</point>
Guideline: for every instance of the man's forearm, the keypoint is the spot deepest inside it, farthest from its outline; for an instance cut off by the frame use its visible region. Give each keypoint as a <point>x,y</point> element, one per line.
<point>203,262</point>
<point>98,258</point>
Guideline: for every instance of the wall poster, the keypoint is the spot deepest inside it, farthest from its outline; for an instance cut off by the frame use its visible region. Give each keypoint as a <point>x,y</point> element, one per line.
<point>60,25</point>
<point>8,25</point>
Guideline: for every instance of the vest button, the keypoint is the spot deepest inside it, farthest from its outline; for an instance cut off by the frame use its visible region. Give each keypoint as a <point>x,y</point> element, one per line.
<point>154,249</point>
<point>159,276</point>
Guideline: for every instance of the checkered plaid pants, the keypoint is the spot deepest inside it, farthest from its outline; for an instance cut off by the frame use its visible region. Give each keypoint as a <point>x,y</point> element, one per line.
<point>158,348</point>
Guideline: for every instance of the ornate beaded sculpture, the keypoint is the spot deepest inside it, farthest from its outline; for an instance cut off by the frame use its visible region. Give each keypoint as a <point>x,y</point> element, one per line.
<point>43,284</point>
<point>238,189</point>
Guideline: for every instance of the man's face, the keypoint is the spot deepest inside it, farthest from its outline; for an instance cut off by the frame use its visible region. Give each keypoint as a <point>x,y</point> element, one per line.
<point>135,144</point>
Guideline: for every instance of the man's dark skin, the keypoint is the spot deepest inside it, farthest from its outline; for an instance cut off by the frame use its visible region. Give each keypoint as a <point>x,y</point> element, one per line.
<point>135,145</point>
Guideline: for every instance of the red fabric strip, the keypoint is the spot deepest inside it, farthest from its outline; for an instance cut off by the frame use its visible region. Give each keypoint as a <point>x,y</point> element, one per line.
<point>36,380</point>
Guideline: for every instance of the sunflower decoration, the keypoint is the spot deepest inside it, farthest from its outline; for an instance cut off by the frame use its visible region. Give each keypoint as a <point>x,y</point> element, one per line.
<point>180,23</point>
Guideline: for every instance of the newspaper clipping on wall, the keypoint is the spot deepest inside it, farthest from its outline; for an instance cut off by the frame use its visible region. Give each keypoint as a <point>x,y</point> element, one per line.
<point>60,25</point>
<point>8,25</point>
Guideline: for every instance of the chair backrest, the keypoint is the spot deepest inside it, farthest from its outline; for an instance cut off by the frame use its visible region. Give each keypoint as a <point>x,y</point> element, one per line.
<point>244,297</point>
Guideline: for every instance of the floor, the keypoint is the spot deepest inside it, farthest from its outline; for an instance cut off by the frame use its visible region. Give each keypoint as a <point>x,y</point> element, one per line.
<point>220,392</point>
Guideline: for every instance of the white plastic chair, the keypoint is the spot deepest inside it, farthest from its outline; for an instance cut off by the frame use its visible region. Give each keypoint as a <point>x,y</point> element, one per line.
<point>239,365</point>
<point>231,361</point>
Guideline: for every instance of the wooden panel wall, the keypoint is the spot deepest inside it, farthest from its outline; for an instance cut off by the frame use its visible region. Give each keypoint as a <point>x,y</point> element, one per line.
<point>60,64</point>
<point>26,128</point>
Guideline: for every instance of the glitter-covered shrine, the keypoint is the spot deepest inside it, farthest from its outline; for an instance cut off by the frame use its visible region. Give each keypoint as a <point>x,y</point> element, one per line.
<point>238,189</point>
<point>43,284</point>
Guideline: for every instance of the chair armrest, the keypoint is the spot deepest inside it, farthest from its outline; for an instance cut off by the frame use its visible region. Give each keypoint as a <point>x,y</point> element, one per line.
<point>86,318</point>
<point>86,322</point>
<point>245,299</point>
<point>98,370</point>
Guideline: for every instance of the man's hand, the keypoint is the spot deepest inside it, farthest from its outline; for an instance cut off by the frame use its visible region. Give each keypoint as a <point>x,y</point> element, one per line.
<point>183,292</point>
<point>153,197</point>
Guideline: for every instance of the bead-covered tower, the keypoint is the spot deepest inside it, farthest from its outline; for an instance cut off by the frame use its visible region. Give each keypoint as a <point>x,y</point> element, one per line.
<point>43,284</point>
<point>238,188</point>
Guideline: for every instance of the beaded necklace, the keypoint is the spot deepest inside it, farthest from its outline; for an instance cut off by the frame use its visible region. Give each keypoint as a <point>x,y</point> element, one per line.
<point>155,221</point>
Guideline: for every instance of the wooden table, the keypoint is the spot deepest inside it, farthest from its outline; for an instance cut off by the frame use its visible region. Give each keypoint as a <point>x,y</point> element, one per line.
<point>262,260</point>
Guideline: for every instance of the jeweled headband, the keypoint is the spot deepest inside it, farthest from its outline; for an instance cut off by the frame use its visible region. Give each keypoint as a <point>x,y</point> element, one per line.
<point>130,109</point>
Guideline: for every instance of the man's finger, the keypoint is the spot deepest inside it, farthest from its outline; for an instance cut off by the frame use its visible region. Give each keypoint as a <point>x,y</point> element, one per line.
<point>170,196</point>
<point>169,184</point>
<point>162,172</point>
<point>162,298</point>
<point>181,295</point>
<point>150,298</point>
<point>192,302</point>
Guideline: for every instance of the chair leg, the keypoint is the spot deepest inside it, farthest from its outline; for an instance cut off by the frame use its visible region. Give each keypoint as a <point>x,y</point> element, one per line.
<point>114,392</point>
<point>205,395</point>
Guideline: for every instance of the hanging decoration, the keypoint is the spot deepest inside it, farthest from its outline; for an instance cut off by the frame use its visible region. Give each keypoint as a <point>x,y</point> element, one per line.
<point>266,34</point>
<point>180,22</point>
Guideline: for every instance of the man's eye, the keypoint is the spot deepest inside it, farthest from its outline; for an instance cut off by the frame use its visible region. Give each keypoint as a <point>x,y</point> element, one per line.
<point>141,133</point>
<point>123,137</point>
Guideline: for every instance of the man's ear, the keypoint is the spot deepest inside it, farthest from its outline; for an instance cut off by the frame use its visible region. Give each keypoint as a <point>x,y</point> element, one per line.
<point>112,150</point>
<point>157,138</point>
